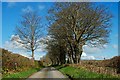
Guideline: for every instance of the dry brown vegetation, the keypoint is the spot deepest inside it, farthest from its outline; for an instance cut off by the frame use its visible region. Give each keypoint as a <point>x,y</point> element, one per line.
<point>15,62</point>
<point>110,66</point>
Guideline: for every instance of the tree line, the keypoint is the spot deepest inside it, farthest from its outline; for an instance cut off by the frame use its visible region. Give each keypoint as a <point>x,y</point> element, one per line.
<point>74,25</point>
<point>71,26</point>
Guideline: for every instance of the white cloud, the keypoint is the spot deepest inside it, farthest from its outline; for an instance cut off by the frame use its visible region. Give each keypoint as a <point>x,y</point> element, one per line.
<point>41,48</point>
<point>105,46</point>
<point>39,55</point>
<point>84,56</point>
<point>42,45</point>
<point>102,57</point>
<point>15,38</point>
<point>27,9</point>
<point>41,7</point>
<point>14,46</point>
<point>89,58</point>
<point>87,50</point>
<point>91,50</point>
<point>10,45</point>
<point>115,46</point>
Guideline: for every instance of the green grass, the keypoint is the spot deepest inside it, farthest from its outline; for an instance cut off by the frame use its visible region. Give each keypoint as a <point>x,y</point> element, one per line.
<point>23,74</point>
<point>82,73</point>
<point>58,67</point>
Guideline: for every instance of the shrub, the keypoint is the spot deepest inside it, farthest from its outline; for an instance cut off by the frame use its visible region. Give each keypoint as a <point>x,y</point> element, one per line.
<point>16,62</point>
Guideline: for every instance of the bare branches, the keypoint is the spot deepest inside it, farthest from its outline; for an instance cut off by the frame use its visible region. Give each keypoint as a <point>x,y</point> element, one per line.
<point>77,24</point>
<point>29,31</point>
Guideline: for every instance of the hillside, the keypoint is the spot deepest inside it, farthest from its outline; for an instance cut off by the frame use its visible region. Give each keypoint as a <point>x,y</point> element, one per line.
<point>113,62</point>
<point>109,66</point>
<point>14,62</point>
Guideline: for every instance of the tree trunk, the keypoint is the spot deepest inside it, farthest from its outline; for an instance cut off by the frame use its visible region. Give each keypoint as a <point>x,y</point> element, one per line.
<point>62,56</point>
<point>79,57</point>
<point>58,61</point>
<point>33,54</point>
<point>72,61</point>
<point>78,53</point>
<point>70,58</point>
<point>70,53</point>
<point>32,58</point>
<point>76,50</point>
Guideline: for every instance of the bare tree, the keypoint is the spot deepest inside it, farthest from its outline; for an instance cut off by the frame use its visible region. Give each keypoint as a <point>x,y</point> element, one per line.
<point>84,24</point>
<point>29,31</point>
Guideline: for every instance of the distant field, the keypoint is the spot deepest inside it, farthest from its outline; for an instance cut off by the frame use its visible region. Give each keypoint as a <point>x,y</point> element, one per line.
<point>108,66</point>
<point>113,62</point>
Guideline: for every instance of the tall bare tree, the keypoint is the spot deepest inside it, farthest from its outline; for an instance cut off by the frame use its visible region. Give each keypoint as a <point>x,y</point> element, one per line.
<point>29,31</point>
<point>84,24</point>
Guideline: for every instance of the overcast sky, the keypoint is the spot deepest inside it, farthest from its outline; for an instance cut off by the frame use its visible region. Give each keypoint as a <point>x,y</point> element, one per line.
<point>11,15</point>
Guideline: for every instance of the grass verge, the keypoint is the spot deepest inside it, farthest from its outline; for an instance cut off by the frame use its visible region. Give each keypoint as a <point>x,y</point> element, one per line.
<point>22,74</point>
<point>73,72</point>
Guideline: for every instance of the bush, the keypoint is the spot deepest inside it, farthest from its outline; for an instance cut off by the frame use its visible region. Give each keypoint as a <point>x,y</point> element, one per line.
<point>16,62</point>
<point>114,63</point>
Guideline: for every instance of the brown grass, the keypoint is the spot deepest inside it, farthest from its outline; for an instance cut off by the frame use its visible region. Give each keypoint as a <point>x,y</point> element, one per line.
<point>110,66</point>
<point>14,62</point>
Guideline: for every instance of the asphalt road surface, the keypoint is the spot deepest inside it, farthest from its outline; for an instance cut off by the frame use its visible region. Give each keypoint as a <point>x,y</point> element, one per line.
<point>49,73</point>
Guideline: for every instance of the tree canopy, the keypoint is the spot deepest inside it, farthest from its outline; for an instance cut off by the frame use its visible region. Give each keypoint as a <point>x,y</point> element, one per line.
<point>73,25</point>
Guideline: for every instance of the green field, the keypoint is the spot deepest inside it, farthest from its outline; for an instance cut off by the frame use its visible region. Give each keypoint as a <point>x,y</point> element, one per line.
<point>73,72</point>
<point>23,74</point>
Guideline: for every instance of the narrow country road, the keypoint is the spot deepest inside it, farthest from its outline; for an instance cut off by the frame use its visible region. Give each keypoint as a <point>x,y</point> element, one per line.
<point>48,72</point>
